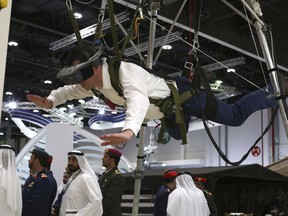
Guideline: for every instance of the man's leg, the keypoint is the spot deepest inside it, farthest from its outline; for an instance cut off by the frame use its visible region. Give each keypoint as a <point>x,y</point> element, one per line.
<point>231,114</point>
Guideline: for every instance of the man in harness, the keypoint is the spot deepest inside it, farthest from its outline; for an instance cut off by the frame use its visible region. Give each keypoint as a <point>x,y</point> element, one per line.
<point>87,74</point>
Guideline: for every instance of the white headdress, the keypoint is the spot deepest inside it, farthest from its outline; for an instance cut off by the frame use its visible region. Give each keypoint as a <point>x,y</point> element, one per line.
<point>187,199</point>
<point>9,179</point>
<point>83,163</point>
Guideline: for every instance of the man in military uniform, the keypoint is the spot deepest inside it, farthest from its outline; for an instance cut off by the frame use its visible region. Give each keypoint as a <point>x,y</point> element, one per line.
<point>40,188</point>
<point>200,183</point>
<point>161,197</point>
<point>112,183</point>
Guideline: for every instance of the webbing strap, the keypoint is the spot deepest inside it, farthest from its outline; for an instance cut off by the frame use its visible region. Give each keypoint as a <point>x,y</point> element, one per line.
<point>113,29</point>
<point>113,69</point>
<point>179,118</point>
<point>74,24</point>
<point>119,53</point>
<point>167,103</point>
<point>176,98</point>
<point>211,108</point>
<point>130,34</point>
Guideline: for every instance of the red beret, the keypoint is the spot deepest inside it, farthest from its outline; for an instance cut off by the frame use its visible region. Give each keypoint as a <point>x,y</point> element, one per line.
<point>199,179</point>
<point>113,152</point>
<point>170,174</point>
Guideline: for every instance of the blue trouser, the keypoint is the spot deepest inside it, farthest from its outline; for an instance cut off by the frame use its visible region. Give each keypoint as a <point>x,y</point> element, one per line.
<point>227,114</point>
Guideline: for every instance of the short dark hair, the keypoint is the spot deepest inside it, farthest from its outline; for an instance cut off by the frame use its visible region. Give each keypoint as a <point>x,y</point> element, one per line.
<point>43,157</point>
<point>77,52</point>
<point>116,159</point>
<point>43,161</point>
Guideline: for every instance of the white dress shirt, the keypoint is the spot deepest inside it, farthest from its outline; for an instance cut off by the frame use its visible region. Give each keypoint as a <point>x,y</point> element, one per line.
<point>138,85</point>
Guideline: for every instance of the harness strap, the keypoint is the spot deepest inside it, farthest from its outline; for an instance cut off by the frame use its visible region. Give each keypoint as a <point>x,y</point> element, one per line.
<point>74,22</point>
<point>176,106</point>
<point>113,29</point>
<point>179,118</point>
<point>172,105</point>
<point>211,108</point>
<point>113,69</point>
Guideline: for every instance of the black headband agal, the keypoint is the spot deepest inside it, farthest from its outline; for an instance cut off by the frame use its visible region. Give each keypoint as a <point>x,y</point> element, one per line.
<point>7,147</point>
<point>79,153</point>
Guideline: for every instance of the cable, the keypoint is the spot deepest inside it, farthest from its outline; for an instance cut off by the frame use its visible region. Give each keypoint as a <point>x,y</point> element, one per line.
<point>255,46</point>
<point>82,2</point>
<point>207,55</point>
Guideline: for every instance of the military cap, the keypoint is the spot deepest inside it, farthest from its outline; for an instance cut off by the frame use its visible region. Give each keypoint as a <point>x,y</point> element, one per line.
<point>169,175</point>
<point>200,179</point>
<point>113,152</point>
<point>41,153</point>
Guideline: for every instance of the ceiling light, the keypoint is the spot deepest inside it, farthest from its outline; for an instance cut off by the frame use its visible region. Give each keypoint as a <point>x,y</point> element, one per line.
<point>8,93</point>
<point>1,133</point>
<point>47,82</point>
<point>218,82</point>
<point>229,70</point>
<point>167,47</point>
<point>12,43</point>
<point>78,15</point>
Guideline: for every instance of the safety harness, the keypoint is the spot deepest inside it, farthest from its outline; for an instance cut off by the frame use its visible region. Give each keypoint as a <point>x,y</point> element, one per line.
<point>168,106</point>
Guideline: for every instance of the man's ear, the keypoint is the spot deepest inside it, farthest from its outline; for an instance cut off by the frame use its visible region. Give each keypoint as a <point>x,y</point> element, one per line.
<point>36,160</point>
<point>95,68</point>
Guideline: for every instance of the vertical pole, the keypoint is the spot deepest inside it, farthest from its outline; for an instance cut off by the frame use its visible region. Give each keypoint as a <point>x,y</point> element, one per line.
<point>5,16</point>
<point>139,168</point>
<point>254,4</point>
<point>139,171</point>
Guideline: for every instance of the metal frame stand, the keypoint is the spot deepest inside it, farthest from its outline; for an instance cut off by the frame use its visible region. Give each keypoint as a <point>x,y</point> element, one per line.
<point>254,7</point>
<point>139,169</point>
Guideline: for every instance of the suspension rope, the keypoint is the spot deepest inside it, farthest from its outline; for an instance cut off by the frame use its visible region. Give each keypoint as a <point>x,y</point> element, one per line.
<point>74,22</point>
<point>207,55</point>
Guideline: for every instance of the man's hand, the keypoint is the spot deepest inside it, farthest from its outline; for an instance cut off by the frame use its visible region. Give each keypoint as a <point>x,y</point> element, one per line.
<point>53,212</point>
<point>117,138</point>
<point>40,101</point>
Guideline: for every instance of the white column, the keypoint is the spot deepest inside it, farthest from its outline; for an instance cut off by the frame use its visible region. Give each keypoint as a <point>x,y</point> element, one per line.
<point>59,141</point>
<point>5,15</point>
